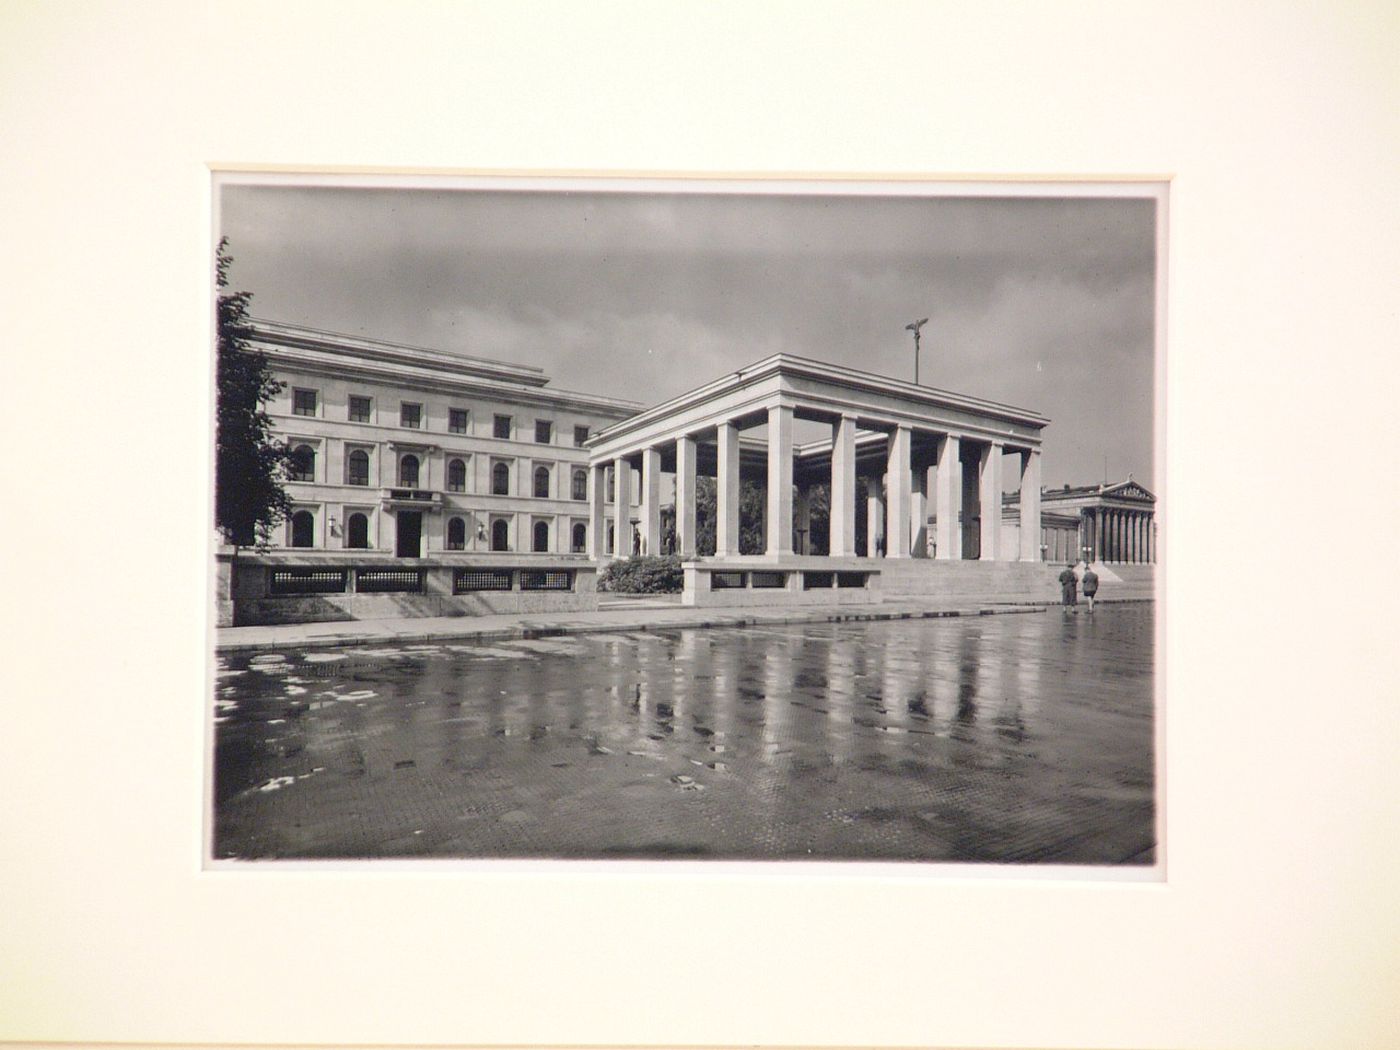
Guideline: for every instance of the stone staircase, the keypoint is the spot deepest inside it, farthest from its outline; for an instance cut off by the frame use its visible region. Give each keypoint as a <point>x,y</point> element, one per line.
<point>1010,581</point>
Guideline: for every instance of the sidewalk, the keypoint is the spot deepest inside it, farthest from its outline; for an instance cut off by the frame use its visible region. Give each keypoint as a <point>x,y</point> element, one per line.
<point>641,617</point>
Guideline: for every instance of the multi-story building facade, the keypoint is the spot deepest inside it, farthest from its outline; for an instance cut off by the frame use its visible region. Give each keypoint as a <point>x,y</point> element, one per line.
<point>419,453</point>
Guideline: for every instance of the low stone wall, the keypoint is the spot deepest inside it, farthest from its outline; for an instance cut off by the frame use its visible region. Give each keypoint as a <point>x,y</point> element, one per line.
<point>273,588</point>
<point>790,580</point>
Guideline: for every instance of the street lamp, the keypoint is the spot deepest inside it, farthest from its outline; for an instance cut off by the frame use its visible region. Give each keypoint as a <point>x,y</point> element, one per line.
<point>914,327</point>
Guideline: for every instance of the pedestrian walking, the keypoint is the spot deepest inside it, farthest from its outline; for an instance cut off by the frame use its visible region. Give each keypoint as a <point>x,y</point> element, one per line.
<point>1069,584</point>
<point>1091,585</point>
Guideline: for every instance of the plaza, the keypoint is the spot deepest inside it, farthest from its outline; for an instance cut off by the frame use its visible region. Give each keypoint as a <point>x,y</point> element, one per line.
<point>1026,737</point>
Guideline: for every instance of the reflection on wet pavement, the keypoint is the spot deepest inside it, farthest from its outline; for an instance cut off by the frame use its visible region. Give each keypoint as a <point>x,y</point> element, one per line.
<point>1024,738</point>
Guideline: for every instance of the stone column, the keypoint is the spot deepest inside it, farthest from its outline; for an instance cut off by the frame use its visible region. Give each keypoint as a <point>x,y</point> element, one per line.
<point>651,501</point>
<point>918,511</point>
<point>948,498</point>
<point>874,516</point>
<point>622,499</point>
<point>989,492</point>
<point>685,497</point>
<point>780,479</point>
<point>598,514</point>
<point>802,522</point>
<point>1030,505</point>
<point>727,492</point>
<point>843,488</point>
<point>897,490</point>
<point>1135,553</point>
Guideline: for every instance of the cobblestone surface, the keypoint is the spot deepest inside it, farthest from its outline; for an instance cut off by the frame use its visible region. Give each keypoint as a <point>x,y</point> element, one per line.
<point>1019,739</point>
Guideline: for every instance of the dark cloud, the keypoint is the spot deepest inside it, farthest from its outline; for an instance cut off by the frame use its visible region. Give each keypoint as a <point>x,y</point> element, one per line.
<point>1041,302</point>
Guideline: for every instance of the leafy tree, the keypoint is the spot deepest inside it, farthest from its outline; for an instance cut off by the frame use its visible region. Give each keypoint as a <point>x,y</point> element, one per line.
<point>249,465</point>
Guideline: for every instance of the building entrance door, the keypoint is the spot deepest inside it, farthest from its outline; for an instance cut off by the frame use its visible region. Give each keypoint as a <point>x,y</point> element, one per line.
<point>409,534</point>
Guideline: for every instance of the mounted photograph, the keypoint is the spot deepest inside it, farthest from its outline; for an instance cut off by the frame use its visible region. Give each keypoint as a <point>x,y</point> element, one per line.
<point>680,520</point>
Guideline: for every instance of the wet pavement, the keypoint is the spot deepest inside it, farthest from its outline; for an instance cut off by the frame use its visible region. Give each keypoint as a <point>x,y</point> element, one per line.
<point>1015,738</point>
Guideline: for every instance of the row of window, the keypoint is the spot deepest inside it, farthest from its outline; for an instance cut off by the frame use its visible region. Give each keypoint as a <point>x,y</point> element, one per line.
<point>303,468</point>
<point>357,533</point>
<point>359,409</point>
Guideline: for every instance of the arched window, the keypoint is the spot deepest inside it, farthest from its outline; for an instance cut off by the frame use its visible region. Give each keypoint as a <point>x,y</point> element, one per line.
<point>456,534</point>
<point>541,544</point>
<point>303,463</point>
<point>456,476</point>
<point>580,537</point>
<point>357,531</point>
<point>500,535</point>
<point>500,481</point>
<point>357,468</point>
<point>303,529</point>
<point>408,471</point>
<point>542,482</point>
<point>580,484</point>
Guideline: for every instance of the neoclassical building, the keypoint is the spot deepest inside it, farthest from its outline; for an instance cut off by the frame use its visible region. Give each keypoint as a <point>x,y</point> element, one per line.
<point>416,453</point>
<point>927,456</point>
<point>429,483</point>
<point>1114,524</point>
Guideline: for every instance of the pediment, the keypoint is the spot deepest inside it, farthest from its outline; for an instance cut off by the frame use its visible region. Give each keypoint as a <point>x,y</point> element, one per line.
<point>1130,490</point>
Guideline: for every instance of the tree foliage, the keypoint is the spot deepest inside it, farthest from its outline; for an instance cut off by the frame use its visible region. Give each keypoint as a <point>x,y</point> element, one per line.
<point>250,466</point>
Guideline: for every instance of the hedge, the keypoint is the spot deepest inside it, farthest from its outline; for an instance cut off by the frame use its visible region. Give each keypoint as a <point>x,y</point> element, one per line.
<point>660,574</point>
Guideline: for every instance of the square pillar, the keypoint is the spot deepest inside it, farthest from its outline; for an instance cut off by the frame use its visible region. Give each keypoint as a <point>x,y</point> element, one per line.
<point>874,516</point>
<point>897,491</point>
<point>685,497</point>
<point>843,488</point>
<point>780,479</point>
<point>920,503</point>
<point>597,512</point>
<point>948,499</point>
<point>802,522</point>
<point>622,499</point>
<point>727,492</point>
<point>1030,505</point>
<point>651,501</point>
<point>989,493</point>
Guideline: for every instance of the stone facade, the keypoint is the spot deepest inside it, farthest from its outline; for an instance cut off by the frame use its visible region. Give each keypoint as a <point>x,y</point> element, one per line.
<point>418,453</point>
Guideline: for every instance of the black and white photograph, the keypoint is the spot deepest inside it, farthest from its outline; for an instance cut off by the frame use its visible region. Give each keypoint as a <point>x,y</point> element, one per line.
<point>648,520</point>
<point>704,524</point>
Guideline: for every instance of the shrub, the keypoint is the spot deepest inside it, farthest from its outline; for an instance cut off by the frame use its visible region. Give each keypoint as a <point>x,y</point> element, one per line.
<point>659,574</point>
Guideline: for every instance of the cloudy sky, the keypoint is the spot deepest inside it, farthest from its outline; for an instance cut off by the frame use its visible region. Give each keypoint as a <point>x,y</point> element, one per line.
<point>1043,303</point>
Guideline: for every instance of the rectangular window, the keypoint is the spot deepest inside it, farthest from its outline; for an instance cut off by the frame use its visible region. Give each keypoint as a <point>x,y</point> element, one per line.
<point>457,420</point>
<point>544,431</point>
<point>767,579</point>
<point>410,415</point>
<point>359,409</point>
<point>307,581</point>
<point>380,581</point>
<point>546,581</point>
<point>580,435</point>
<point>723,581</point>
<point>304,402</point>
<point>501,427</point>
<point>467,580</point>
<point>357,468</point>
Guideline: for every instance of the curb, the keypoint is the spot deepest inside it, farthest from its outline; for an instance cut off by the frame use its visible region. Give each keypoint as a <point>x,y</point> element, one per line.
<point>530,632</point>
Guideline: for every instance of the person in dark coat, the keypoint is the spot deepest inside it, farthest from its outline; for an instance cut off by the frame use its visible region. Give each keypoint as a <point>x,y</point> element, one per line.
<point>1091,585</point>
<point>1069,584</point>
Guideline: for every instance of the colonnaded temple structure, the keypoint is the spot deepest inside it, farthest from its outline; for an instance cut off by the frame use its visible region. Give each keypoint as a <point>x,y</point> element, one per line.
<point>928,456</point>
